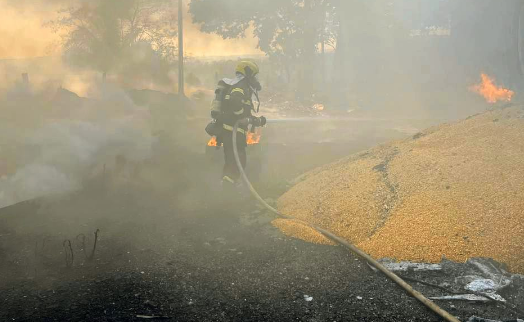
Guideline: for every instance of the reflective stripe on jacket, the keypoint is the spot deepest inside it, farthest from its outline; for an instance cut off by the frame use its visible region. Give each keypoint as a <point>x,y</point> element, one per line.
<point>230,128</point>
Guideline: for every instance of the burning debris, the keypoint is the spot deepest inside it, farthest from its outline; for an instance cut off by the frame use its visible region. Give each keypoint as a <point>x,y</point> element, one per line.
<point>491,92</point>
<point>318,107</point>
<point>212,142</point>
<point>251,139</point>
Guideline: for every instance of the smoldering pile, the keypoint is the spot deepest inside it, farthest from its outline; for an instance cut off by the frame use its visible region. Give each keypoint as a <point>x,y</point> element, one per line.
<point>53,143</point>
<point>456,190</point>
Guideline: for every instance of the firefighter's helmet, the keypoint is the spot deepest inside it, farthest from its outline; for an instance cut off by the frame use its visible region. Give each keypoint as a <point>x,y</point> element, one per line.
<point>247,68</point>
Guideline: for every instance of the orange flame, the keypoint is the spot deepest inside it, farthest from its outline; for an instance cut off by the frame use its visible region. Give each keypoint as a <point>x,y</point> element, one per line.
<point>212,142</point>
<point>491,92</point>
<point>252,138</point>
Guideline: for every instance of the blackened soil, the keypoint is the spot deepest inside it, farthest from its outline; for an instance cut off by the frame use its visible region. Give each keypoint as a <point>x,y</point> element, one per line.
<point>216,264</point>
<point>176,248</point>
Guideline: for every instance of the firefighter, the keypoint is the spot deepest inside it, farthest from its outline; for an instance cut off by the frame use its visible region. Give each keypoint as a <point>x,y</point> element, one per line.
<point>233,102</point>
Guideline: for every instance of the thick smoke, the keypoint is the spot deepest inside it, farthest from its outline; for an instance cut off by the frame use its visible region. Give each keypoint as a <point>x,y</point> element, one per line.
<point>23,31</point>
<point>29,37</point>
<point>69,149</point>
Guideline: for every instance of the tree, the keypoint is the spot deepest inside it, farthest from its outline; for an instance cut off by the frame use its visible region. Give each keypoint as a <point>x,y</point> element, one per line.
<point>288,31</point>
<point>111,34</point>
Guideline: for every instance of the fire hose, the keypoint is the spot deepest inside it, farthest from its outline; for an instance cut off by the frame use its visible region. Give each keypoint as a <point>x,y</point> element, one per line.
<point>395,278</point>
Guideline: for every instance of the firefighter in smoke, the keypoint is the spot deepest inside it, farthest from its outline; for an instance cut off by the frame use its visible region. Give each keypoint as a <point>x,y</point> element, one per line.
<point>234,101</point>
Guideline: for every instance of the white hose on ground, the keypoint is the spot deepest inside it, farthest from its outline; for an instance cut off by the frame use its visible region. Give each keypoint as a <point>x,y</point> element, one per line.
<point>427,302</point>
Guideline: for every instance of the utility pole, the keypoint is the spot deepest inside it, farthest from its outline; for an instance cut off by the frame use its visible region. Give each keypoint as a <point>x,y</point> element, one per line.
<point>323,49</point>
<point>181,48</point>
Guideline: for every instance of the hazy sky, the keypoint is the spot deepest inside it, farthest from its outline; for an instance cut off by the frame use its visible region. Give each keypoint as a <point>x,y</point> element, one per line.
<point>23,36</point>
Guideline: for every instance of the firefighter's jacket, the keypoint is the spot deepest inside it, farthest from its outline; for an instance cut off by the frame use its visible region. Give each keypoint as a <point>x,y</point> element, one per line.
<point>237,103</point>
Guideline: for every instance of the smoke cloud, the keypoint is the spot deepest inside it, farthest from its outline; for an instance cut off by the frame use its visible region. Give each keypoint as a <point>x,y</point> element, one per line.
<point>22,30</point>
<point>76,139</point>
<point>24,35</point>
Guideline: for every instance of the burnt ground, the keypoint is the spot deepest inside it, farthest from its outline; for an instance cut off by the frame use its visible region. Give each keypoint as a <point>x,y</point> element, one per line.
<point>181,251</point>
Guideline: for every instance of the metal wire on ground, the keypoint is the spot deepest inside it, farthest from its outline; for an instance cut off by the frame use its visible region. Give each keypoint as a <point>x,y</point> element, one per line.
<point>427,302</point>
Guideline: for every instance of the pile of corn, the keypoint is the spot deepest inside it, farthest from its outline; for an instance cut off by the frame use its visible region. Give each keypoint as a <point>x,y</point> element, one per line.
<point>456,190</point>
<point>293,227</point>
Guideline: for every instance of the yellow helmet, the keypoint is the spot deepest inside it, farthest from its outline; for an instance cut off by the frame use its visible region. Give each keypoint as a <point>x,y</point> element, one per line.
<point>247,68</point>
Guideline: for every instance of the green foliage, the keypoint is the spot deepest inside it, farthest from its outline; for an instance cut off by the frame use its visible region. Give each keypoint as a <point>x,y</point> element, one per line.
<point>292,28</point>
<point>289,31</point>
<point>106,34</point>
